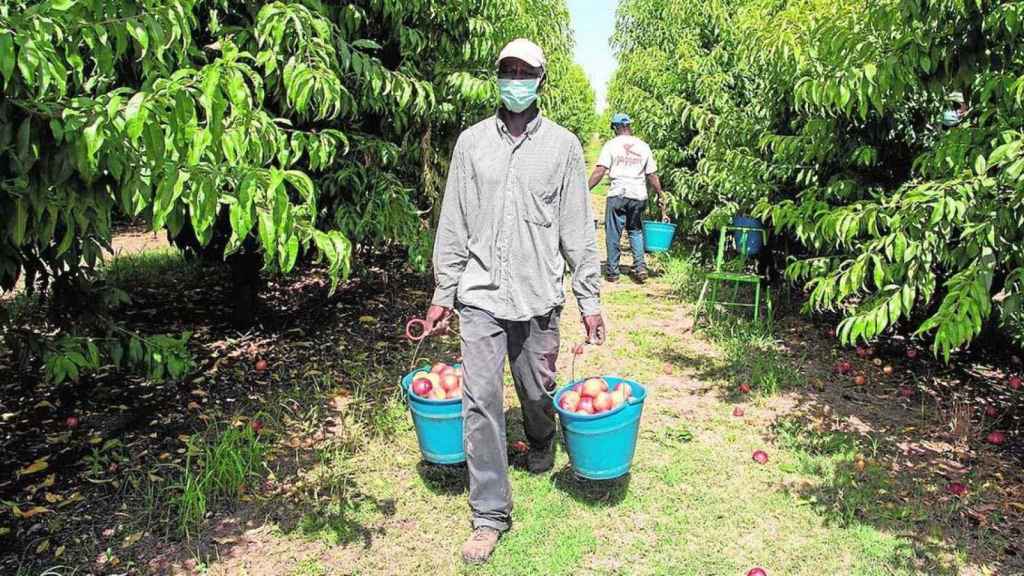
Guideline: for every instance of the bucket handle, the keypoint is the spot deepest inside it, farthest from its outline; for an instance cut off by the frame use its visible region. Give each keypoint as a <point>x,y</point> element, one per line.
<point>577,351</point>
<point>409,329</point>
<point>412,336</point>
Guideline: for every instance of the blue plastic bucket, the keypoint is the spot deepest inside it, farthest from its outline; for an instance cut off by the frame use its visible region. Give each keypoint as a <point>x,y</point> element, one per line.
<point>601,446</point>
<point>658,235</point>
<point>438,425</point>
<point>753,239</point>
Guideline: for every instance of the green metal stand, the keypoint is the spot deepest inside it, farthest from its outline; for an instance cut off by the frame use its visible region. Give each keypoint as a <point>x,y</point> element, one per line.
<point>736,278</point>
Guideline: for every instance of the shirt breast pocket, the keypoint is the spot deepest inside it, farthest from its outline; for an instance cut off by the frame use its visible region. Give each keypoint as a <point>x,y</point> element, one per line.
<point>539,202</point>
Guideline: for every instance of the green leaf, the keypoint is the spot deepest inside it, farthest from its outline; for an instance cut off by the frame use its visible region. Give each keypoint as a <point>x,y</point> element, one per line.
<point>135,114</point>
<point>7,56</point>
<point>980,165</point>
<point>138,32</point>
<point>116,353</point>
<point>870,71</point>
<point>289,254</point>
<point>57,129</point>
<point>1015,169</point>
<point>238,92</point>
<point>19,222</point>
<point>24,143</point>
<point>72,370</point>
<point>879,272</point>
<point>135,353</point>
<point>282,205</point>
<point>268,236</point>
<point>93,138</point>
<point>240,214</point>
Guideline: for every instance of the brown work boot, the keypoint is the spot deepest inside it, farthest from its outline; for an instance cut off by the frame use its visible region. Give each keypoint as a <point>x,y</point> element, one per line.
<point>480,545</point>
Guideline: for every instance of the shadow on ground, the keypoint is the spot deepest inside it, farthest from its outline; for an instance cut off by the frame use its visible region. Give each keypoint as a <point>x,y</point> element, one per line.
<point>594,493</point>
<point>446,479</point>
<point>885,453</point>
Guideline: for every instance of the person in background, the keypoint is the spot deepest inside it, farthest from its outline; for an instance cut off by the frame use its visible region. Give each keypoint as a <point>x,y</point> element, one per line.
<point>630,165</point>
<point>957,110</point>
<point>516,212</point>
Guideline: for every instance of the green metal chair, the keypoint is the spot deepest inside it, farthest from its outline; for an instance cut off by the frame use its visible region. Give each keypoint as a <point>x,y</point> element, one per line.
<point>737,271</point>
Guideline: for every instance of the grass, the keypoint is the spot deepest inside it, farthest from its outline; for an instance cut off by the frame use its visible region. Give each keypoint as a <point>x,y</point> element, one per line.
<point>218,466</point>
<point>751,350</point>
<point>310,568</point>
<point>150,267</point>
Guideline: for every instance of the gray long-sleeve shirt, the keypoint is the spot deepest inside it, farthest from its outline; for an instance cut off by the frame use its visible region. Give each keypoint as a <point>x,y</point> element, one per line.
<point>514,213</point>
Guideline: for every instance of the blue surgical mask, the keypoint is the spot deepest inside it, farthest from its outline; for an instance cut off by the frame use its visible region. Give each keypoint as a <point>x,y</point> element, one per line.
<point>518,95</point>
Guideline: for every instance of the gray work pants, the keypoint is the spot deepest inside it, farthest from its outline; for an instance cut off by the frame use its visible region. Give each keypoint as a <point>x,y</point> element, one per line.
<point>532,349</point>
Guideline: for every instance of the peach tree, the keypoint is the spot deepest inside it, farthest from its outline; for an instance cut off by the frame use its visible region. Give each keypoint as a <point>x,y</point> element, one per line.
<point>883,138</point>
<point>281,129</point>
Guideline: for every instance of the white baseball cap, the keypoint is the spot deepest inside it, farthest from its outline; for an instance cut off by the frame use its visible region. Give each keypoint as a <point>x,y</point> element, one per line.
<point>524,50</point>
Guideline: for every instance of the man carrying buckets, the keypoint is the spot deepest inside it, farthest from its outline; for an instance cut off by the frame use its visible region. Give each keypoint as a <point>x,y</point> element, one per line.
<point>516,210</point>
<point>630,166</point>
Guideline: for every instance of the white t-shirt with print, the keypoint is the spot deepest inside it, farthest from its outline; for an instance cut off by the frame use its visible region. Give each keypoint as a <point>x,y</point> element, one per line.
<point>629,160</point>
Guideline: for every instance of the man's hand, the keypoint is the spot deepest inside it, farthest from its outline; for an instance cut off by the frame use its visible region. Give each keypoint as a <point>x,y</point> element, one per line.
<point>659,195</point>
<point>594,327</point>
<point>596,176</point>
<point>436,321</point>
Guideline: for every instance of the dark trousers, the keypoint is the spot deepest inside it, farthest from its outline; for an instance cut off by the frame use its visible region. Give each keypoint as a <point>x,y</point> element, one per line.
<point>621,212</point>
<point>531,348</point>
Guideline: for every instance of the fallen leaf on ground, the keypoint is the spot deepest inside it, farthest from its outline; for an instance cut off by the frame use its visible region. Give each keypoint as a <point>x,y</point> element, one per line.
<point>35,467</point>
<point>18,513</point>
<point>61,438</point>
<point>131,539</point>
<point>75,497</point>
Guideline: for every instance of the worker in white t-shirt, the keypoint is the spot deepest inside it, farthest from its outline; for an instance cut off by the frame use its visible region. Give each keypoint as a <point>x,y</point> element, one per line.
<point>630,166</point>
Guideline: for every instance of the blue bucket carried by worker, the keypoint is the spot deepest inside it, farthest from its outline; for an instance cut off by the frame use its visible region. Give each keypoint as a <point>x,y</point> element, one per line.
<point>658,235</point>
<point>438,424</point>
<point>753,238</point>
<point>601,446</point>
